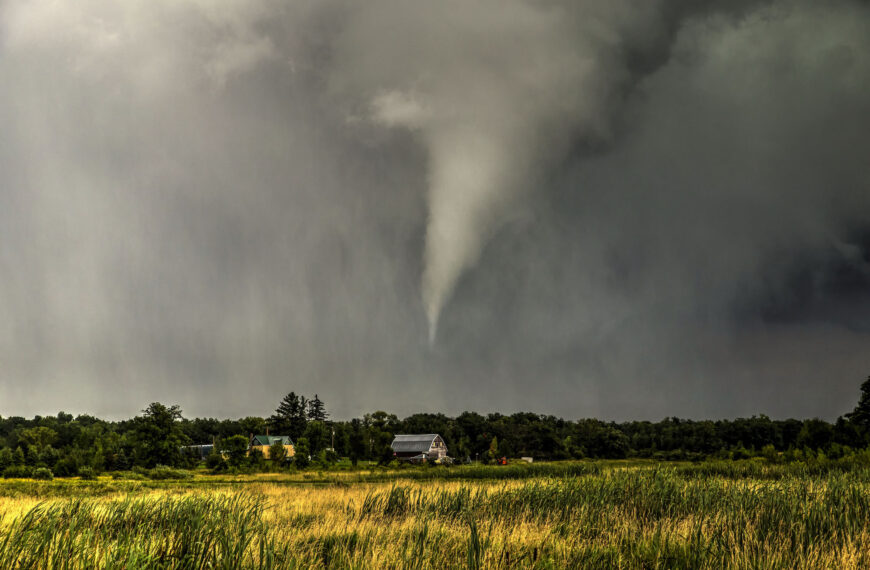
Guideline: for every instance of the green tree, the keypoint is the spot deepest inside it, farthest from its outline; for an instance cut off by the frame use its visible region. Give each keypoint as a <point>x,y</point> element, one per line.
<point>382,420</point>
<point>48,456</point>
<point>253,425</point>
<point>493,449</point>
<point>317,435</point>
<point>302,456</point>
<point>30,455</point>
<point>291,416</point>
<point>6,459</point>
<point>122,461</point>
<point>256,459</point>
<point>38,437</point>
<point>356,441</point>
<point>159,436</point>
<point>317,410</point>
<point>277,453</point>
<point>860,416</point>
<point>816,434</point>
<point>236,448</point>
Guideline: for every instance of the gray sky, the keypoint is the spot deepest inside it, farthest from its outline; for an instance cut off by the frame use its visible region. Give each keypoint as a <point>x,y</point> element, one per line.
<point>585,208</point>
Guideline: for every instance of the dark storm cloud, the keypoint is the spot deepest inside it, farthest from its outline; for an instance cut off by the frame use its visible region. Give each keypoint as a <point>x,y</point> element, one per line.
<point>605,209</point>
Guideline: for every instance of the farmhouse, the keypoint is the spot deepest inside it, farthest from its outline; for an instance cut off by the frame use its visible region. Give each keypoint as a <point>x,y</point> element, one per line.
<point>263,442</point>
<point>421,447</point>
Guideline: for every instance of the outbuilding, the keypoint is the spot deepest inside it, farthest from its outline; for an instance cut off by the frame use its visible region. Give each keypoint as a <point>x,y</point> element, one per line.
<point>422,447</point>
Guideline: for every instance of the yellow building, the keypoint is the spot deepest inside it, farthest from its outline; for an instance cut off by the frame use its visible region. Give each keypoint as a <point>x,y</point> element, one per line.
<point>264,442</point>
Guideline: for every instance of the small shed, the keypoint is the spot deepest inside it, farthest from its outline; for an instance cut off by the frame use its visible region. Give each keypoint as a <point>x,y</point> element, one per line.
<point>425,446</point>
<point>264,442</point>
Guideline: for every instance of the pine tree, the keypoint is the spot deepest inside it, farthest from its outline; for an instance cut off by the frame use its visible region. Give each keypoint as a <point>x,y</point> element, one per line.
<point>860,416</point>
<point>290,417</point>
<point>288,407</point>
<point>317,410</point>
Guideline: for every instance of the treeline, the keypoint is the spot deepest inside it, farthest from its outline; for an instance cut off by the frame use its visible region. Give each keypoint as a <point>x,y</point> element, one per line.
<point>67,445</point>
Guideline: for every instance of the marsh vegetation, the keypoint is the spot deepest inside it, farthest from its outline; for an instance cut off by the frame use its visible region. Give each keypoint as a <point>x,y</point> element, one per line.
<point>580,515</point>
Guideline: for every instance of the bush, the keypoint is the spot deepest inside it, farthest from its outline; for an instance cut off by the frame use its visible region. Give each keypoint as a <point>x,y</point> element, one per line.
<point>43,474</point>
<point>66,467</point>
<point>164,472</point>
<point>256,459</point>
<point>128,476</point>
<point>17,472</point>
<point>215,462</point>
<point>277,453</point>
<point>87,473</point>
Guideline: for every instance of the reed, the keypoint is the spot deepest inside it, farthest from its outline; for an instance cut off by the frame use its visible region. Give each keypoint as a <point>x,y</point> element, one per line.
<point>652,516</point>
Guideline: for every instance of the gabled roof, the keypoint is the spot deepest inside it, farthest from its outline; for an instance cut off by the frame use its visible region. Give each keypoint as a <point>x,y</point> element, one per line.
<point>414,442</point>
<point>268,440</point>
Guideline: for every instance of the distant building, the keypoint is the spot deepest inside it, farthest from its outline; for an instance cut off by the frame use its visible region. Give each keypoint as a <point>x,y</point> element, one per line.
<point>419,447</point>
<point>264,442</point>
<point>202,451</point>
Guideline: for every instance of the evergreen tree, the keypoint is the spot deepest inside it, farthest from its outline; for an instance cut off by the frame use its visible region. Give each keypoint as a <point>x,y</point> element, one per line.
<point>290,417</point>
<point>287,408</point>
<point>860,416</point>
<point>122,462</point>
<point>317,410</point>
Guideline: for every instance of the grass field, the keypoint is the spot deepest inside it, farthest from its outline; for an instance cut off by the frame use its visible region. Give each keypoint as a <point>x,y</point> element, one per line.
<point>580,515</point>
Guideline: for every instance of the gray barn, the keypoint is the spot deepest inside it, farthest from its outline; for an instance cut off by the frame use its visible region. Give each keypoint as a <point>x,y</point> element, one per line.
<point>426,446</point>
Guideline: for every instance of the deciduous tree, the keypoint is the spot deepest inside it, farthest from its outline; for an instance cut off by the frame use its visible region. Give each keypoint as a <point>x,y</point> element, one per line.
<point>159,436</point>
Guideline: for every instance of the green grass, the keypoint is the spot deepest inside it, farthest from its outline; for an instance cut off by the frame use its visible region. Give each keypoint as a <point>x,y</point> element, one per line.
<point>484,472</point>
<point>188,532</point>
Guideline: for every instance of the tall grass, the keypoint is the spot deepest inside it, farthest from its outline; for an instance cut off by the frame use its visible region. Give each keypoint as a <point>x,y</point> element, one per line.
<point>490,472</point>
<point>657,517</point>
<point>169,532</point>
<point>631,517</point>
<point>760,469</point>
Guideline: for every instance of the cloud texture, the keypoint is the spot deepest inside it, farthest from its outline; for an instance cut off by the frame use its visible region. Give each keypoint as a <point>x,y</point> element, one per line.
<point>602,208</point>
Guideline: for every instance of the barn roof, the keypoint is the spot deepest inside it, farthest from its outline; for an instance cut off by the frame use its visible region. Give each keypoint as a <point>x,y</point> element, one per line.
<point>268,440</point>
<point>413,442</point>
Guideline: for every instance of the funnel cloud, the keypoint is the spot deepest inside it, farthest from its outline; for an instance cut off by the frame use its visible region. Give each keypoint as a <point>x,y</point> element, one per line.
<point>585,208</point>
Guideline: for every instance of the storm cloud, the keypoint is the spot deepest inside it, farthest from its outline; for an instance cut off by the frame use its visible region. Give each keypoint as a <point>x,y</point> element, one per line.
<point>603,209</point>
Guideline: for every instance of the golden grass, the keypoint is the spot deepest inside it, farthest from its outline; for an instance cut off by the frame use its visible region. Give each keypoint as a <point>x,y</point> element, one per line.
<point>629,518</point>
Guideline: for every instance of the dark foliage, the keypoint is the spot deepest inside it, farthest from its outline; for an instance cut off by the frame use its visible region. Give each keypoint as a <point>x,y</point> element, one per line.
<point>69,446</point>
